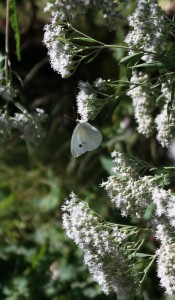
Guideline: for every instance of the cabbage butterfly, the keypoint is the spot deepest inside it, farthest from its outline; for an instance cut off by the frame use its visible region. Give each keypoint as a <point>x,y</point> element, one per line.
<point>85,138</point>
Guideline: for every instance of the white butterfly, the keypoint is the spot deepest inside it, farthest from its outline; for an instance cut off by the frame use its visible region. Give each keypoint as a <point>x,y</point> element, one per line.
<point>85,138</point>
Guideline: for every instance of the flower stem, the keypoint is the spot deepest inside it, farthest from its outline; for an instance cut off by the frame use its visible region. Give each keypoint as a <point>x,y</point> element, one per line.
<point>147,269</point>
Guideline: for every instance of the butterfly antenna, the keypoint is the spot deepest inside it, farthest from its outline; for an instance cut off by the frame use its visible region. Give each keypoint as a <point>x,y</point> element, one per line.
<point>69,118</point>
<point>75,114</point>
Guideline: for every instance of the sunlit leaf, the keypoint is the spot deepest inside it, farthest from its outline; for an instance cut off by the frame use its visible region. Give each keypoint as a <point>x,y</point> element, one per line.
<point>15,26</point>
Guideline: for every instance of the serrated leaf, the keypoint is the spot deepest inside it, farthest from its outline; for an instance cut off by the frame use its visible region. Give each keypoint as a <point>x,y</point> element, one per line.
<point>15,25</point>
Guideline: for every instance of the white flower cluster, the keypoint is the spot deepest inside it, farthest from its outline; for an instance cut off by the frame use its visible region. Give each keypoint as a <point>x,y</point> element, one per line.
<point>130,193</point>
<point>165,121</point>
<point>104,254</point>
<point>88,104</point>
<point>69,9</point>
<point>166,259</point>
<point>143,102</point>
<point>60,50</point>
<point>30,125</point>
<point>143,99</point>
<point>149,30</point>
<point>166,126</point>
<point>165,204</point>
<point>6,90</point>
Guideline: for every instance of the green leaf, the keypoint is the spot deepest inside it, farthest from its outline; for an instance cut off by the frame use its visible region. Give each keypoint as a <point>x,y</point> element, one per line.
<point>161,63</point>
<point>160,99</point>
<point>143,255</point>
<point>131,58</point>
<point>172,97</point>
<point>154,65</point>
<point>149,212</point>
<point>66,273</point>
<point>15,26</point>
<point>168,61</point>
<point>85,39</point>
<point>107,164</point>
<point>91,292</point>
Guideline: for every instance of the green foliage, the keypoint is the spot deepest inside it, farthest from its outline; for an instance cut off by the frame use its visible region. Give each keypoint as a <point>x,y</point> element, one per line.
<point>15,26</point>
<point>37,260</point>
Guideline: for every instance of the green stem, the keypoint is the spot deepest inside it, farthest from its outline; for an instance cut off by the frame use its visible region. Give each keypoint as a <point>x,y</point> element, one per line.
<point>20,107</point>
<point>7,39</point>
<point>139,246</point>
<point>147,269</point>
<point>85,35</point>
<point>102,45</point>
<point>140,84</point>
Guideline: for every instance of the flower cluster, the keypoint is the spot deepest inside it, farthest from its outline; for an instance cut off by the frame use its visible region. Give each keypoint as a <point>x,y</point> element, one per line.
<point>165,205</point>
<point>166,259</point>
<point>29,125</point>
<point>89,102</point>
<point>6,90</point>
<point>166,126</point>
<point>60,50</point>
<point>149,34</point>
<point>67,8</point>
<point>105,247</point>
<point>165,121</point>
<point>71,9</point>
<point>130,192</point>
<point>143,102</point>
<point>149,30</point>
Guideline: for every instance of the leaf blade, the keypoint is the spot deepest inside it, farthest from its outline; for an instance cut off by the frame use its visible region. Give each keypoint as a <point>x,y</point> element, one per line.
<point>15,25</point>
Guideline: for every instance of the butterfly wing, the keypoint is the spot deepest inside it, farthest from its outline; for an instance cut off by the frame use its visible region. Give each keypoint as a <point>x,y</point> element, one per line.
<point>76,148</point>
<point>91,137</point>
<point>84,138</point>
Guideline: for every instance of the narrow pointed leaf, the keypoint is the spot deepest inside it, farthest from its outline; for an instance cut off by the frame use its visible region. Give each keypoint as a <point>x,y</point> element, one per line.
<point>15,26</point>
<point>131,58</point>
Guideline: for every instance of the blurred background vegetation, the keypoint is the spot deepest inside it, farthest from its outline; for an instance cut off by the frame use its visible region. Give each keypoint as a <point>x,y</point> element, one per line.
<point>37,260</point>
